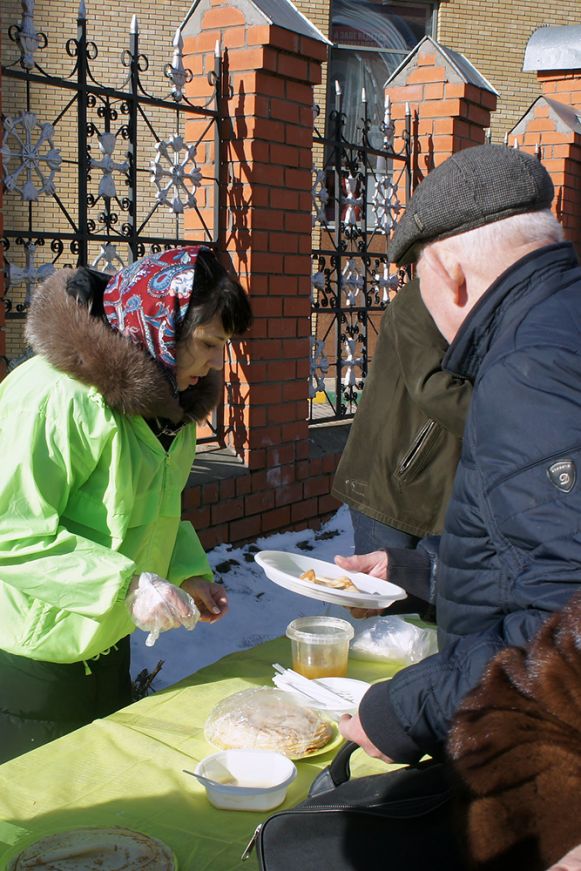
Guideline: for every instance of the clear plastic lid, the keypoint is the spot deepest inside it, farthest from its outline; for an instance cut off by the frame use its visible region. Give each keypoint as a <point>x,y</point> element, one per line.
<point>320,630</point>
<point>262,718</point>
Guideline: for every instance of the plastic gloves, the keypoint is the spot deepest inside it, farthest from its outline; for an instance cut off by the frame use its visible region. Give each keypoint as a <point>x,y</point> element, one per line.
<point>156,605</point>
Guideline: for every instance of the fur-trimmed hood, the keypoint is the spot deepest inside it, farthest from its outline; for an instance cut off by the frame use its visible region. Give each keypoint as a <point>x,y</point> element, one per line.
<point>64,331</point>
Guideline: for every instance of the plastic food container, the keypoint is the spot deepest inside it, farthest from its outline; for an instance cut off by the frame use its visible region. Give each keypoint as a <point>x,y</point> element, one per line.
<point>258,780</point>
<point>320,646</point>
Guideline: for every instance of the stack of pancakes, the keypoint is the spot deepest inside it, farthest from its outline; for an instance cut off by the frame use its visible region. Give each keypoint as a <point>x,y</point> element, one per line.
<point>267,719</point>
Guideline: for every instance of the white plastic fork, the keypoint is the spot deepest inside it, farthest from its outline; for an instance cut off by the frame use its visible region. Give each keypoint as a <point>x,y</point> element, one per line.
<point>311,688</point>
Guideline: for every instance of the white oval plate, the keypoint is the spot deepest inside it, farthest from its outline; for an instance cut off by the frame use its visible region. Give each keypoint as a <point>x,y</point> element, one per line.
<point>285,569</point>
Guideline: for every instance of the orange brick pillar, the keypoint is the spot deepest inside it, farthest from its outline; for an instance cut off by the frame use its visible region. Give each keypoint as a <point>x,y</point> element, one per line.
<point>449,112</point>
<point>550,128</point>
<point>269,75</point>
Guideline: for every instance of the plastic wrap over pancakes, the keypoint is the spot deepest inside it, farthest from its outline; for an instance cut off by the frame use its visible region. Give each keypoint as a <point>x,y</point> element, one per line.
<point>266,719</point>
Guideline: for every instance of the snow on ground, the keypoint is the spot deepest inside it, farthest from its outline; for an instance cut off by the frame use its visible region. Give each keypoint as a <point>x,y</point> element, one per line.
<point>259,609</point>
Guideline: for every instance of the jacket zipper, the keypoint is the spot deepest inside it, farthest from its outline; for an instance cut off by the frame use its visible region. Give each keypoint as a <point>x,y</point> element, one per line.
<point>416,447</point>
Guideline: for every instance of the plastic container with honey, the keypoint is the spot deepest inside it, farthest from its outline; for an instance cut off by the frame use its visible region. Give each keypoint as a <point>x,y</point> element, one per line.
<point>320,646</point>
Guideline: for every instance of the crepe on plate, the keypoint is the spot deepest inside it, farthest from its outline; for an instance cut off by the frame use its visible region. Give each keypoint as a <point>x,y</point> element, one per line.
<point>267,719</point>
<point>342,583</point>
<point>96,849</point>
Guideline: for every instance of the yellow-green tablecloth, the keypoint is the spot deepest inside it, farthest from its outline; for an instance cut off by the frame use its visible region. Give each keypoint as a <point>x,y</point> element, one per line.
<point>126,770</point>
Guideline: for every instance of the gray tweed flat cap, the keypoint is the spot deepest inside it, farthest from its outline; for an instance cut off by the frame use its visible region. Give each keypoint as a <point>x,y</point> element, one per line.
<point>474,187</point>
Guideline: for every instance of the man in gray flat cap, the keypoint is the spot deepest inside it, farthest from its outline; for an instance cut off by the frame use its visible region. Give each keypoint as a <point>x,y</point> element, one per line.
<point>505,291</point>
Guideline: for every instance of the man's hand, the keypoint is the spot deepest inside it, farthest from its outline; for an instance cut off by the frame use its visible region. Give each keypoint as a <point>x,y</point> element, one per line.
<point>375,564</point>
<point>211,599</point>
<point>352,730</point>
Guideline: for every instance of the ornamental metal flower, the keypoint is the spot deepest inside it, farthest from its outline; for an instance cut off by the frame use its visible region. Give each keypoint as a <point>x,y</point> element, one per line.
<point>317,285</point>
<point>27,36</point>
<point>106,259</point>
<point>320,195</point>
<point>351,361</point>
<point>385,204</point>
<point>29,275</point>
<point>352,201</point>
<point>176,72</point>
<point>352,282</point>
<point>107,165</point>
<point>175,173</point>
<point>382,282</point>
<point>319,366</point>
<point>29,143</point>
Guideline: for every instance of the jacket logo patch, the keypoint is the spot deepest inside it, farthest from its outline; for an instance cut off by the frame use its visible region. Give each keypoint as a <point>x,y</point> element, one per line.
<point>563,475</point>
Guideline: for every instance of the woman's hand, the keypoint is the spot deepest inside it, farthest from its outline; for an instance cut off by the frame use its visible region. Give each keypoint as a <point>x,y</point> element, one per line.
<point>155,606</point>
<point>211,599</point>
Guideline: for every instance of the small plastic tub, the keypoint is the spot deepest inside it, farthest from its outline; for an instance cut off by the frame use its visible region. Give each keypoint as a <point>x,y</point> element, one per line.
<point>256,780</point>
<point>320,646</point>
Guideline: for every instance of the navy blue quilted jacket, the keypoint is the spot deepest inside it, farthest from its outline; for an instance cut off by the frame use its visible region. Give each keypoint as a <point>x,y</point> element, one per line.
<point>511,551</point>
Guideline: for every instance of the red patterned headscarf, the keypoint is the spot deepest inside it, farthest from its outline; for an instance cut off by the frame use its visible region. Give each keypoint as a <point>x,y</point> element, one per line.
<point>147,302</point>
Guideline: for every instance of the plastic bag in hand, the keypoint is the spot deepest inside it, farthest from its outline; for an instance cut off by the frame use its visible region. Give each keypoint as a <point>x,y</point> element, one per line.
<point>156,605</point>
<point>391,638</point>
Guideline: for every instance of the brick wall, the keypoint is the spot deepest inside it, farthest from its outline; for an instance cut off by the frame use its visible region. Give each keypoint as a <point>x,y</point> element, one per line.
<point>493,35</point>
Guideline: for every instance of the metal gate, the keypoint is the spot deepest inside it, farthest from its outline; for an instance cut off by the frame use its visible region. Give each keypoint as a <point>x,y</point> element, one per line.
<point>356,202</point>
<point>96,173</point>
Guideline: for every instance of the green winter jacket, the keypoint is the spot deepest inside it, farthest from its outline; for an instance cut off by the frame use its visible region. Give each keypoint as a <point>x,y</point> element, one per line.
<point>88,495</point>
<point>403,448</point>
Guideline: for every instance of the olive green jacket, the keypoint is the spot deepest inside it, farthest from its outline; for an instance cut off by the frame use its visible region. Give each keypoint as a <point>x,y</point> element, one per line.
<point>401,455</point>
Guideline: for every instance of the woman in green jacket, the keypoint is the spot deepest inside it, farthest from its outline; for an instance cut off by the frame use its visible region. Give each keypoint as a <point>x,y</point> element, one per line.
<point>98,435</point>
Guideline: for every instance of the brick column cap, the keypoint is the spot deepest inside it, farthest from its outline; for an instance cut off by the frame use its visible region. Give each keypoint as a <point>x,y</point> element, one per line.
<point>281,14</point>
<point>553,48</point>
<point>563,118</point>
<point>429,53</point>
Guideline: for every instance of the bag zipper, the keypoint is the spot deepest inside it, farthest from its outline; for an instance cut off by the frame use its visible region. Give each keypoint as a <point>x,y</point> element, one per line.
<point>323,808</point>
<point>251,844</point>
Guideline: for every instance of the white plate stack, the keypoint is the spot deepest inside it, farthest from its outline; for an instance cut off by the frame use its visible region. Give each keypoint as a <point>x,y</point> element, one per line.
<point>333,695</point>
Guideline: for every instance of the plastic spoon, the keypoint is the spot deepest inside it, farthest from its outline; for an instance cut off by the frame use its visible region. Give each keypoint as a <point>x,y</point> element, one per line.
<point>207,781</point>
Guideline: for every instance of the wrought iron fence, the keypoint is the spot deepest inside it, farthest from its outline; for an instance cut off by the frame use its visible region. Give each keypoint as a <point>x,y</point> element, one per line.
<point>356,201</point>
<point>96,173</point>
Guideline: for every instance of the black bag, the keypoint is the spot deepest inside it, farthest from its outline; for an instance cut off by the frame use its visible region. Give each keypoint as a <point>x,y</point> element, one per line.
<point>398,820</point>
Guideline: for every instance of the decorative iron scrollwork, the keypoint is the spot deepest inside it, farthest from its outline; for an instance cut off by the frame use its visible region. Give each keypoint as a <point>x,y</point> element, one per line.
<point>356,203</point>
<point>104,211</point>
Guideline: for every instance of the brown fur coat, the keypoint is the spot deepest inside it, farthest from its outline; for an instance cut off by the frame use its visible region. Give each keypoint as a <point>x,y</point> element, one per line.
<point>74,341</point>
<point>516,745</point>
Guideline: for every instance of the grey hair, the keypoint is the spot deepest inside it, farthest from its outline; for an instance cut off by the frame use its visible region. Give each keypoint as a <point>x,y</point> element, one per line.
<point>540,228</point>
